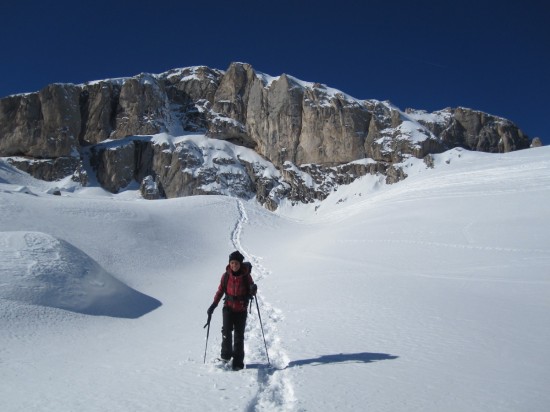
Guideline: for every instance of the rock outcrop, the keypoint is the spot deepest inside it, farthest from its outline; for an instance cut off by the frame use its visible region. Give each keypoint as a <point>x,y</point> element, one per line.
<point>475,130</point>
<point>52,170</point>
<point>46,124</point>
<point>299,127</point>
<point>536,142</point>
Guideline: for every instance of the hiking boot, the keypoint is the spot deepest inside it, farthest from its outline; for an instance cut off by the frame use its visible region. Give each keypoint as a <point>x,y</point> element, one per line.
<point>237,366</point>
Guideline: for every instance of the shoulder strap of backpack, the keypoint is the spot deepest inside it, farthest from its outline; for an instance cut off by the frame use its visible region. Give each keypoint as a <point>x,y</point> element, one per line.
<point>225,280</point>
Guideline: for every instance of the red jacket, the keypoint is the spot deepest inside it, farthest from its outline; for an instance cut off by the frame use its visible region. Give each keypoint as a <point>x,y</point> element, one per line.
<point>238,288</point>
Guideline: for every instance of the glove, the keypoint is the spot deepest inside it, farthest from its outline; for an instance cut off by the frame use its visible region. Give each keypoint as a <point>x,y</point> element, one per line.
<point>210,310</point>
<point>253,289</point>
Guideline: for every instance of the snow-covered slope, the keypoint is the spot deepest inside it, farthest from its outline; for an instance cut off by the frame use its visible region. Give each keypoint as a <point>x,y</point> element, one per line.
<point>427,295</point>
<point>39,269</point>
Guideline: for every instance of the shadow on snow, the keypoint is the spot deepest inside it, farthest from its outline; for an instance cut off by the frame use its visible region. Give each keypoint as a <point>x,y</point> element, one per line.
<point>362,357</point>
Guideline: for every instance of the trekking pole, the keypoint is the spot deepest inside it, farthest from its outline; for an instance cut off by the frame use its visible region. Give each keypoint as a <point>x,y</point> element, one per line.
<point>207,333</point>
<point>262,326</point>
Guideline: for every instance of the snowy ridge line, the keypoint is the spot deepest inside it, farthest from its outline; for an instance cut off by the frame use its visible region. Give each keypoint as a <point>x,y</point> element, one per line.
<point>275,390</point>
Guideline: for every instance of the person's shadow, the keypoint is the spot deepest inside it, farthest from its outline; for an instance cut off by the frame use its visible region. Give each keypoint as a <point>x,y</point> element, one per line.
<point>361,357</point>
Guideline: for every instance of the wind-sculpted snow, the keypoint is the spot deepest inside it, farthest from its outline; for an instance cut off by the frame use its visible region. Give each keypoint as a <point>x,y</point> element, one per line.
<point>39,269</point>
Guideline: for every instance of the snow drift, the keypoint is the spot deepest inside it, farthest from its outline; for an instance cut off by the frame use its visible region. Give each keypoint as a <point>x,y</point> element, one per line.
<point>47,271</point>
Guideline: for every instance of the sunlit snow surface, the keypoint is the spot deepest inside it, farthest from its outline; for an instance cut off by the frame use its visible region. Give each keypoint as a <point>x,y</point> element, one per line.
<point>431,294</point>
<point>38,269</point>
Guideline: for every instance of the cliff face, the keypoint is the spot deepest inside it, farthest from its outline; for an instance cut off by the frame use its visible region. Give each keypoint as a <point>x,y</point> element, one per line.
<point>42,125</point>
<point>283,119</point>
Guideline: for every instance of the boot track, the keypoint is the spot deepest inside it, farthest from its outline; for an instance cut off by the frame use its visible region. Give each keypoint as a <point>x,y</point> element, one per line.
<point>275,391</point>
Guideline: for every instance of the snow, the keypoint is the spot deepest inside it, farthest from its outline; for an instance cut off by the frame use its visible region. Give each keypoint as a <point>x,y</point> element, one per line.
<point>39,269</point>
<point>117,81</point>
<point>427,295</point>
<point>266,79</point>
<point>440,116</point>
<point>329,92</point>
<point>214,149</point>
<point>411,131</point>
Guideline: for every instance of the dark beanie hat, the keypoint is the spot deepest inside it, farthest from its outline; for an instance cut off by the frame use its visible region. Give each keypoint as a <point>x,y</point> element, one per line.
<point>236,255</point>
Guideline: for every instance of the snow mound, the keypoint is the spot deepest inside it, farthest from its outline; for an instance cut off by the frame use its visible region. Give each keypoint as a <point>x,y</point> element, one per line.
<point>39,269</point>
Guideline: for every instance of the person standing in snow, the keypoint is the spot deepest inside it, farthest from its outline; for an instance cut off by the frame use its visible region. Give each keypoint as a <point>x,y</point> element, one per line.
<point>237,285</point>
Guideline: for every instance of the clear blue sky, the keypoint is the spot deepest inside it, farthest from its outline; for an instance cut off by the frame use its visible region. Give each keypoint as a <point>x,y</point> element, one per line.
<point>492,56</point>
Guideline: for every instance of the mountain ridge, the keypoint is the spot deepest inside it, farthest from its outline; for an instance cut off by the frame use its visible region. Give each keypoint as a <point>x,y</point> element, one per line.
<point>290,122</point>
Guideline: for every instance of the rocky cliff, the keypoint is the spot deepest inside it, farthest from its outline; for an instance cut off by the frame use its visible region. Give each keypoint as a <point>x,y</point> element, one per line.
<point>299,127</point>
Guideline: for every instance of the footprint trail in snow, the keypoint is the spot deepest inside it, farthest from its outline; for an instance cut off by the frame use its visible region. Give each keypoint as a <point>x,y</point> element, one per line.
<point>275,391</point>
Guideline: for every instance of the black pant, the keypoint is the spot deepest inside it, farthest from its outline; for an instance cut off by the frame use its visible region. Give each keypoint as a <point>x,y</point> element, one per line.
<point>234,323</point>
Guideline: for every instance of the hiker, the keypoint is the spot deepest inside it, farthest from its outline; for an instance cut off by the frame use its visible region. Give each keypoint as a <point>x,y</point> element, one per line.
<point>238,286</point>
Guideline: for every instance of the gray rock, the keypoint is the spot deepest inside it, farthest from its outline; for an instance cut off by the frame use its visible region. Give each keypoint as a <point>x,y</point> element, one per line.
<point>99,104</point>
<point>114,165</point>
<point>50,170</point>
<point>310,132</point>
<point>274,118</point>
<point>149,188</point>
<point>229,111</point>
<point>429,161</point>
<point>143,107</point>
<point>42,125</point>
<point>475,130</point>
<point>191,92</point>
<point>536,142</point>
<point>185,171</point>
<point>334,129</point>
